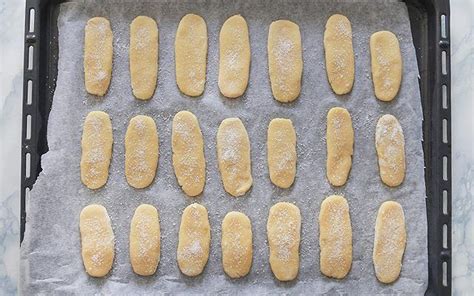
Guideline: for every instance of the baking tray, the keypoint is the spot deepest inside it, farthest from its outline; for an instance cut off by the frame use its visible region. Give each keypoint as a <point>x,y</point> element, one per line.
<point>429,20</point>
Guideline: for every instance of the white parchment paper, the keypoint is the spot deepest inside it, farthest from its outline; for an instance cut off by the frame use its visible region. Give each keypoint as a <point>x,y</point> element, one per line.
<point>50,256</point>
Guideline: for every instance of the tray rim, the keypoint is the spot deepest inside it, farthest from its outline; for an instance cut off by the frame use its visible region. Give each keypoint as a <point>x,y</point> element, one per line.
<point>436,125</point>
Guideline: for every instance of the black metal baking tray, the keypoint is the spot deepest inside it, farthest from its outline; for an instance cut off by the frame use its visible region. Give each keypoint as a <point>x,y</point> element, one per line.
<point>429,21</point>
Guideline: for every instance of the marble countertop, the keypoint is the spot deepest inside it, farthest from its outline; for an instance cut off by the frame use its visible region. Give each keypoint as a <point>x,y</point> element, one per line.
<point>462,104</point>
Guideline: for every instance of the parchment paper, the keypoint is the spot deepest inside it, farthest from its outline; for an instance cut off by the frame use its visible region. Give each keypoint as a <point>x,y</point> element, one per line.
<point>50,256</point>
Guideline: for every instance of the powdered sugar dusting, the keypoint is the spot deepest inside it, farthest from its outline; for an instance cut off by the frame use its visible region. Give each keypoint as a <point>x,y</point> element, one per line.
<point>231,141</point>
<point>388,129</point>
<point>286,234</point>
<point>285,66</point>
<point>340,61</point>
<point>192,251</point>
<point>142,38</point>
<point>340,130</point>
<point>343,28</point>
<point>337,123</point>
<point>286,154</point>
<point>338,232</point>
<point>96,126</point>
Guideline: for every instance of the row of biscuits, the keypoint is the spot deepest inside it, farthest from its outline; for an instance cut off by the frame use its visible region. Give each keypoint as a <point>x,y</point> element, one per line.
<point>233,151</point>
<point>283,231</point>
<point>285,57</point>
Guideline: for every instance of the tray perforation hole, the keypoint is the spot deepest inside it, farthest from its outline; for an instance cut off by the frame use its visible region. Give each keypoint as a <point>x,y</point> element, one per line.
<point>445,274</point>
<point>443,26</point>
<point>443,63</point>
<point>445,202</point>
<point>27,196</point>
<point>29,92</point>
<point>31,25</point>
<point>445,131</point>
<point>28,165</point>
<point>444,91</point>
<point>445,168</point>
<point>28,127</point>
<point>30,57</point>
<point>445,236</point>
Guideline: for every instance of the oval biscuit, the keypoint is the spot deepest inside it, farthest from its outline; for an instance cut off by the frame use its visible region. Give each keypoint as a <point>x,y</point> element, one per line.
<point>285,60</point>
<point>386,62</point>
<point>283,230</point>
<point>97,240</point>
<point>281,152</point>
<point>390,146</point>
<point>389,242</point>
<point>145,240</point>
<point>233,154</point>
<point>335,237</point>
<point>96,144</point>
<point>339,54</point>
<point>98,54</point>
<point>340,145</point>
<point>194,240</point>
<point>191,55</point>
<point>143,56</point>
<point>141,151</point>
<point>236,244</point>
<point>188,153</point>
<point>234,57</point>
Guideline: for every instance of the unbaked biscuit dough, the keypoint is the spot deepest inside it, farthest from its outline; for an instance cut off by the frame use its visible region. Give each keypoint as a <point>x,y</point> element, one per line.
<point>340,145</point>
<point>285,60</point>
<point>141,151</point>
<point>188,153</point>
<point>145,240</point>
<point>234,57</point>
<point>283,230</point>
<point>191,55</point>
<point>339,54</point>
<point>143,56</point>
<point>389,242</point>
<point>236,244</point>
<point>98,53</point>
<point>281,152</point>
<point>194,240</point>
<point>233,154</point>
<point>386,61</point>
<point>390,146</point>
<point>96,144</point>
<point>335,237</point>
<point>97,240</point>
